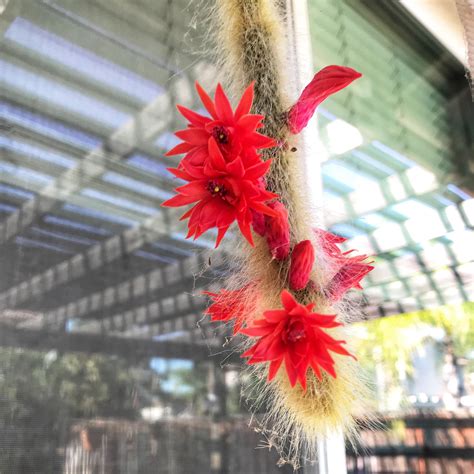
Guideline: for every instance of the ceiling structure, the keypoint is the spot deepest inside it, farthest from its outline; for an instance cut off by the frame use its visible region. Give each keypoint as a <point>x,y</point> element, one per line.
<point>87,111</point>
<point>441,18</point>
<point>391,145</point>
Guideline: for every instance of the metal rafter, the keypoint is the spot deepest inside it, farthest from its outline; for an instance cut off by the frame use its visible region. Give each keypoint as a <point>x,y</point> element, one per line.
<point>131,348</point>
<point>157,286</point>
<point>391,190</point>
<point>365,243</point>
<point>143,127</point>
<point>93,258</point>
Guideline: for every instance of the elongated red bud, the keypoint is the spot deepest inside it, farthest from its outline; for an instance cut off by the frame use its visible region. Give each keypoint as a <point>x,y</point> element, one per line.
<point>302,261</point>
<point>325,83</point>
<point>277,230</point>
<point>258,222</point>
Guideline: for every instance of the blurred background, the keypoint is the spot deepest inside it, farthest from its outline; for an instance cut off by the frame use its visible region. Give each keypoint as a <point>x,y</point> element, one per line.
<point>105,362</point>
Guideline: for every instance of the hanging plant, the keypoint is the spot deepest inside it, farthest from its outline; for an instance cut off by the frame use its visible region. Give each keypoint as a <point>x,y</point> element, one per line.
<point>240,166</point>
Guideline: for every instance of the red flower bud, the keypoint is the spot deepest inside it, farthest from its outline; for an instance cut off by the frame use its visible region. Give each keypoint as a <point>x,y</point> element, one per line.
<point>302,260</point>
<point>325,83</point>
<point>278,231</point>
<point>258,222</point>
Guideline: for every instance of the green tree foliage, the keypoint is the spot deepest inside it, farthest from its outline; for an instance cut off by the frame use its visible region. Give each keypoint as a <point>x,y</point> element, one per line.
<point>391,342</point>
<point>41,392</point>
<point>457,321</point>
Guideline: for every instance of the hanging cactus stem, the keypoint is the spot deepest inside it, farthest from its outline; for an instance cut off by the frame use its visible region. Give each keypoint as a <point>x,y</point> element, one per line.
<point>241,165</point>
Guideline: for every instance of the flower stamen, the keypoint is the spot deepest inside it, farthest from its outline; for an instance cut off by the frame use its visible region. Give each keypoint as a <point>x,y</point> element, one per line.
<point>217,189</point>
<point>221,135</point>
<point>295,332</point>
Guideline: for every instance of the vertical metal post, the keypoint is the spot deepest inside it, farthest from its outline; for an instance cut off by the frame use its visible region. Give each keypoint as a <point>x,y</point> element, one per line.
<point>331,450</point>
<point>217,404</point>
<point>302,71</point>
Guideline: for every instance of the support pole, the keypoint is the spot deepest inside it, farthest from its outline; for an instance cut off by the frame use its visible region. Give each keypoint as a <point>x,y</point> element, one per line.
<point>331,450</point>
<point>217,399</point>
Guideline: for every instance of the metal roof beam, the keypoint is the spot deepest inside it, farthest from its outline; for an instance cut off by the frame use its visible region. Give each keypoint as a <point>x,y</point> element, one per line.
<point>130,348</point>
<point>152,119</point>
<point>157,285</point>
<point>411,183</point>
<point>93,258</point>
<point>409,233</point>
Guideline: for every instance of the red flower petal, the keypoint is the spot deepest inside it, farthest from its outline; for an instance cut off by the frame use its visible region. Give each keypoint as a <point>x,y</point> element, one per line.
<point>250,121</point>
<point>207,101</point>
<point>272,351</point>
<point>179,200</point>
<point>314,366</point>
<point>275,315</point>
<point>268,211</point>
<point>291,370</point>
<point>179,149</point>
<point>349,270</point>
<point>329,368</point>
<point>193,117</point>
<point>179,173</point>
<point>267,196</point>
<point>197,172</point>
<point>256,331</point>
<point>216,158</point>
<point>258,170</point>
<point>245,103</point>
<point>248,352</point>
<point>194,136</point>
<point>350,274</point>
<point>246,232</point>
<point>329,237</point>
<point>261,141</point>
<point>235,305</point>
<point>273,368</point>
<point>195,189</point>
<point>223,107</point>
<point>288,301</point>
<point>187,213</point>
<point>236,168</point>
<point>324,321</point>
<point>302,379</point>
<point>220,234</point>
<point>340,350</point>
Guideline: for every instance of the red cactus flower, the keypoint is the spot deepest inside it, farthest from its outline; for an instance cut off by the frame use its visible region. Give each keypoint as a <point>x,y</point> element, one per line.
<point>349,275</point>
<point>278,231</point>
<point>329,242</point>
<point>349,270</point>
<point>325,83</point>
<point>294,335</point>
<point>235,132</point>
<point>302,261</point>
<point>224,171</point>
<point>237,305</point>
<point>224,192</point>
